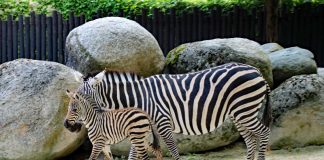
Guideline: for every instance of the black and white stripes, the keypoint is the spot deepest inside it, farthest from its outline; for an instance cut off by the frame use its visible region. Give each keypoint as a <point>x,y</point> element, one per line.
<point>112,126</point>
<point>192,104</point>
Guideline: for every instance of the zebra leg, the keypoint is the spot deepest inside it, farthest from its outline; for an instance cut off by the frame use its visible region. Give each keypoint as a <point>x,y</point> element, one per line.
<point>165,131</point>
<point>263,141</point>
<point>249,139</point>
<point>96,149</point>
<point>132,153</point>
<point>261,132</point>
<point>139,147</point>
<point>107,152</point>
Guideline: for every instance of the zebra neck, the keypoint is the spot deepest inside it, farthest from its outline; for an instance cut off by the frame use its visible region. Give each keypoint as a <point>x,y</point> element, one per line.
<point>89,117</point>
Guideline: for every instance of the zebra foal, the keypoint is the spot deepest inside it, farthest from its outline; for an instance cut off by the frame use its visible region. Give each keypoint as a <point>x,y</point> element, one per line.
<point>191,104</point>
<point>106,127</point>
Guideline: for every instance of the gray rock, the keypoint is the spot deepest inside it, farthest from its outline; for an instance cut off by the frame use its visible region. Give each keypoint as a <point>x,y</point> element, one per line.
<point>114,43</point>
<point>271,47</point>
<point>222,136</point>
<point>209,53</point>
<point>290,62</point>
<point>320,71</point>
<point>32,109</point>
<point>298,110</point>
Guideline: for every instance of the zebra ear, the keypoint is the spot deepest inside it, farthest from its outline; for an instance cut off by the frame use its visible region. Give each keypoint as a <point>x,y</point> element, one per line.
<point>78,76</point>
<point>97,79</point>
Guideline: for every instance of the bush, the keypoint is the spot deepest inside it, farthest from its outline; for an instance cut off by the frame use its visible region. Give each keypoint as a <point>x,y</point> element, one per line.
<point>129,7</point>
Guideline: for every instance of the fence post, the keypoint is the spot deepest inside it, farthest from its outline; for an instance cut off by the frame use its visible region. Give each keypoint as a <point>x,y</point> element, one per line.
<point>4,40</point>
<point>15,39</point>
<point>38,36</point>
<point>27,37</point>
<point>1,35</point>
<point>54,36</point>
<point>9,39</point>
<point>32,35</point>
<point>21,36</point>
<point>60,38</point>
<point>43,37</point>
<point>49,26</point>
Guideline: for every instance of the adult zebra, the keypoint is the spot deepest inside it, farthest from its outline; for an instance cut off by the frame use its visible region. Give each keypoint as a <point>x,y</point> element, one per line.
<point>194,103</point>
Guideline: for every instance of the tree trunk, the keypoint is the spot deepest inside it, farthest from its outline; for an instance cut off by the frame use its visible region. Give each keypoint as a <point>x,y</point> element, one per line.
<point>272,14</point>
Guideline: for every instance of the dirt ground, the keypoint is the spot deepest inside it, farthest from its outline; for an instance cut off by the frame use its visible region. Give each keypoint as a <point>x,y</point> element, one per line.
<point>237,152</point>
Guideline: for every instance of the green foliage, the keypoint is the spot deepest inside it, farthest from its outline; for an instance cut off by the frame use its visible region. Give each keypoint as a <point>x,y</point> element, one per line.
<point>129,7</point>
<point>15,8</point>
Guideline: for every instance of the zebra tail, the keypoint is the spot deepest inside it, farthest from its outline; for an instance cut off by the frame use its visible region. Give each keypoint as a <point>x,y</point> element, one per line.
<point>156,140</point>
<point>267,113</point>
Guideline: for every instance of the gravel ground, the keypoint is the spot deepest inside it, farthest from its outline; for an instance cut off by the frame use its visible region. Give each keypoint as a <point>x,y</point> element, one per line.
<point>237,152</point>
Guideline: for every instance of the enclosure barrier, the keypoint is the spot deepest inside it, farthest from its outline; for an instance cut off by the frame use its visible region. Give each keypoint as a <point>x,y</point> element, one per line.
<point>43,37</point>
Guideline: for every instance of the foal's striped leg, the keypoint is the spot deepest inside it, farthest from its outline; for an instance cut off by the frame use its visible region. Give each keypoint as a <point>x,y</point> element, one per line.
<point>96,149</point>
<point>139,147</point>
<point>107,152</point>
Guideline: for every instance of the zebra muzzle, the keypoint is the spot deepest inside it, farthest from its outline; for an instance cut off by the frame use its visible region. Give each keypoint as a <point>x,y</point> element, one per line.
<point>76,127</point>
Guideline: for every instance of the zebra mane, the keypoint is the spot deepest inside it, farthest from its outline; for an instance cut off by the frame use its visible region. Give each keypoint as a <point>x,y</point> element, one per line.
<point>90,100</point>
<point>128,76</point>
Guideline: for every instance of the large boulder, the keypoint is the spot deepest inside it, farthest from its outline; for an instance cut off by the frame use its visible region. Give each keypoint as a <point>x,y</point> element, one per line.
<point>209,53</point>
<point>298,111</point>
<point>114,43</point>
<point>33,105</point>
<point>290,62</point>
<point>222,136</point>
<point>271,47</point>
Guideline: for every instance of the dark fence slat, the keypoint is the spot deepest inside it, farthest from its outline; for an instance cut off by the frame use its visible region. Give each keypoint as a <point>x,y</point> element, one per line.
<point>60,39</point>
<point>32,35</point>
<point>65,33</point>
<point>21,36</point>
<point>155,23</point>
<point>166,31</point>
<point>27,37</point>
<point>4,40</point>
<point>54,35</point>
<point>49,27</point>
<point>161,30</point>
<point>38,36</point>
<point>172,29</point>
<point>43,37</point>
<point>1,35</point>
<point>195,25</point>
<point>82,19</point>
<point>15,39</point>
<point>71,21</point>
<point>9,39</point>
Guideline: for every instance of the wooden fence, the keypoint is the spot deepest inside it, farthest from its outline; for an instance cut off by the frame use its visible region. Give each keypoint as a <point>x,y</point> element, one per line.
<point>43,37</point>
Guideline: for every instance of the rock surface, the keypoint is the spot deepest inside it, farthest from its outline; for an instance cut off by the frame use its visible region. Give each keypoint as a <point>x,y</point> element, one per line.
<point>209,53</point>
<point>33,105</point>
<point>290,62</point>
<point>298,110</point>
<point>114,43</point>
<point>222,136</point>
<point>271,47</point>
